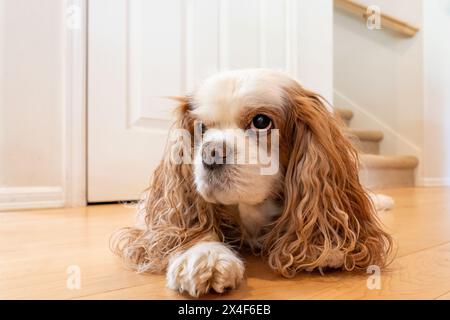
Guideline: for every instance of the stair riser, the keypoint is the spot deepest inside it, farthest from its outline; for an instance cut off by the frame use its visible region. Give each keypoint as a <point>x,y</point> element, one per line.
<point>346,122</point>
<point>345,115</point>
<point>368,147</point>
<point>380,178</point>
<point>377,171</point>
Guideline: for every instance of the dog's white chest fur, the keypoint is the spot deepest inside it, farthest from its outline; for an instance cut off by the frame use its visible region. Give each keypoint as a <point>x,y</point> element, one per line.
<point>254,217</point>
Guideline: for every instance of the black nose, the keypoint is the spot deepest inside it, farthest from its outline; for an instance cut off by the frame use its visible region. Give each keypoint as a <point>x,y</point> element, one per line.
<point>214,155</point>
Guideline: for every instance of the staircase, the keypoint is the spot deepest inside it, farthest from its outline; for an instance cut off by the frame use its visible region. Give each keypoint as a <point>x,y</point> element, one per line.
<point>379,171</point>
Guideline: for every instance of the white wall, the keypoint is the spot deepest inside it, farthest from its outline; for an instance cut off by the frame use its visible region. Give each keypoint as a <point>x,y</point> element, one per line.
<point>315,52</point>
<point>2,133</point>
<point>378,74</point>
<point>33,104</point>
<point>32,93</point>
<point>437,92</point>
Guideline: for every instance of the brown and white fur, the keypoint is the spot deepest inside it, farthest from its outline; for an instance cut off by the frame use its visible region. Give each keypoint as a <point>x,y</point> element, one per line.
<point>311,214</point>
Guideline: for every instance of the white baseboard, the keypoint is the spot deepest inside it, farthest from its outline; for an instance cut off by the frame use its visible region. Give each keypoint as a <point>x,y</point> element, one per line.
<point>15,198</point>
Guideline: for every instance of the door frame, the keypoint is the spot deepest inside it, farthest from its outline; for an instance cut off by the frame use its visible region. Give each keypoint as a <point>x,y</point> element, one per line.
<point>75,106</point>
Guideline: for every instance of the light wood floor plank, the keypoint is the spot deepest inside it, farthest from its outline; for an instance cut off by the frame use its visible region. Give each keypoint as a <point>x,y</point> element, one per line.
<point>37,247</point>
<point>445,296</point>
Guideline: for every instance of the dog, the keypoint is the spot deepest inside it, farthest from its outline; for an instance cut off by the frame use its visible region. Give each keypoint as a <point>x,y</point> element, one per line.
<point>309,213</point>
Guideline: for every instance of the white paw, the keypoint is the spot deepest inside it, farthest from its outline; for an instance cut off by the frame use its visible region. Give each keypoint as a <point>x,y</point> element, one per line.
<point>334,260</point>
<point>205,266</point>
<point>382,202</point>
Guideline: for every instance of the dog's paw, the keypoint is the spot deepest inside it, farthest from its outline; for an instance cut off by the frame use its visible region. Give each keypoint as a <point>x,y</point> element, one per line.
<point>205,266</point>
<point>381,202</point>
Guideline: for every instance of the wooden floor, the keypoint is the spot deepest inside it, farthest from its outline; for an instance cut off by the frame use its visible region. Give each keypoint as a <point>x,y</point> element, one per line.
<point>37,247</point>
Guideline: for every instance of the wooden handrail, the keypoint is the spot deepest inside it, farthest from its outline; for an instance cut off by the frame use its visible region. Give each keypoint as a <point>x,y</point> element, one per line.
<point>387,21</point>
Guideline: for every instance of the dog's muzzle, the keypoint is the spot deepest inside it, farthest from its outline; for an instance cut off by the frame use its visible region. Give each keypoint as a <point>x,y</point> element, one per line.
<point>215,155</point>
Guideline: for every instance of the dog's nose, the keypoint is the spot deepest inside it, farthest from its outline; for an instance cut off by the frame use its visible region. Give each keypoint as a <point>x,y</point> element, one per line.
<point>214,155</point>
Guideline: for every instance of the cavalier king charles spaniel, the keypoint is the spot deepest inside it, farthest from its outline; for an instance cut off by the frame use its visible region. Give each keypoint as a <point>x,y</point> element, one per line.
<point>303,210</point>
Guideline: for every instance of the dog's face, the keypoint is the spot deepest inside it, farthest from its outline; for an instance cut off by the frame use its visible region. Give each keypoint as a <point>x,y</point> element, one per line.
<point>242,115</point>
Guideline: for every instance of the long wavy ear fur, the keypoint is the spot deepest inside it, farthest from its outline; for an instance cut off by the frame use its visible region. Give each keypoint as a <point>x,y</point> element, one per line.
<point>327,214</point>
<point>175,214</point>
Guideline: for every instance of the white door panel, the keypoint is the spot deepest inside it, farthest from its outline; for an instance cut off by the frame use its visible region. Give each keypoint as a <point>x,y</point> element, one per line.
<point>143,50</point>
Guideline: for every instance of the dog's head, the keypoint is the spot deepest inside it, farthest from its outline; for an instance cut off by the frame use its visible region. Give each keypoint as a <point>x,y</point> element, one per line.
<point>250,125</point>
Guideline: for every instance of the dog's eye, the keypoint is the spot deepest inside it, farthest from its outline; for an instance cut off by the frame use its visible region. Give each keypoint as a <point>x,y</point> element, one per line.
<point>261,122</point>
<point>204,128</point>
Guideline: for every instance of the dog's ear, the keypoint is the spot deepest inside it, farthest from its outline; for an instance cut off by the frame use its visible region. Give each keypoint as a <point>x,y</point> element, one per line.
<point>175,214</point>
<point>327,219</point>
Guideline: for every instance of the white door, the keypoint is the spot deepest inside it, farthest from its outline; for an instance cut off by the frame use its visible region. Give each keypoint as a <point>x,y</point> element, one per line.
<point>143,50</point>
